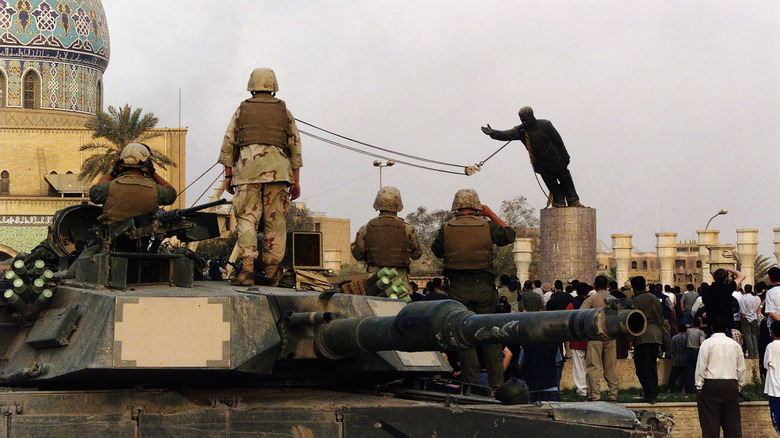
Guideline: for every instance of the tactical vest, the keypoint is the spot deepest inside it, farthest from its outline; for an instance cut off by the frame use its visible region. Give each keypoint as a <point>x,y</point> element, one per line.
<point>262,120</point>
<point>387,243</point>
<point>467,243</point>
<point>129,195</point>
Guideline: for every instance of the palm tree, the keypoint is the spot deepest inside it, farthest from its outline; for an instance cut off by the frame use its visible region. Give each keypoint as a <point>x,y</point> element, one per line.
<point>763,263</point>
<point>118,128</point>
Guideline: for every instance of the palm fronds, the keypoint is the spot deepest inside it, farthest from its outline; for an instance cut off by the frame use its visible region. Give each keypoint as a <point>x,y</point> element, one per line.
<point>118,128</point>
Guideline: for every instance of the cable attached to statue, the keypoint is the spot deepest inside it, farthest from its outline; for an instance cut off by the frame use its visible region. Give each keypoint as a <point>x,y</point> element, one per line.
<point>533,167</point>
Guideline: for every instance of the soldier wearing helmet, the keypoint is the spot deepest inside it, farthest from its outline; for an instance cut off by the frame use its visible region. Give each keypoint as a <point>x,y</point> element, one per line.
<point>466,245</point>
<point>386,240</point>
<point>261,153</point>
<point>132,188</point>
<point>549,157</point>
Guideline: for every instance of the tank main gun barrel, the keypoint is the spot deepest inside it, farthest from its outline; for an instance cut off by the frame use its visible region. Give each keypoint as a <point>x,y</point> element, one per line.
<point>448,325</point>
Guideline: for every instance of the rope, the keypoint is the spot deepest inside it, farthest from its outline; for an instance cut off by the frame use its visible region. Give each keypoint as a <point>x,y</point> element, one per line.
<point>482,163</point>
<point>340,185</point>
<point>467,170</point>
<point>382,149</point>
<point>371,154</point>
<point>207,189</point>
<point>196,179</point>
<point>531,157</point>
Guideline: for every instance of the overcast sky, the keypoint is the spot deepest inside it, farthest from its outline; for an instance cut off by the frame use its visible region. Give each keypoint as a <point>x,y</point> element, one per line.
<point>669,109</point>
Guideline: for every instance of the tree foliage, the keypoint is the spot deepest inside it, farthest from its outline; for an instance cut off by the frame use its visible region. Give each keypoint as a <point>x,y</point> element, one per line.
<point>515,212</point>
<point>111,132</point>
<point>299,218</point>
<point>427,226</point>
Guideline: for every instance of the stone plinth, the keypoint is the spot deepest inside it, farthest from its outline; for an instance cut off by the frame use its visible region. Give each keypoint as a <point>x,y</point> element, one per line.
<point>706,238</point>
<point>568,244</point>
<point>523,252</point>
<point>621,250</point>
<point>667,252</point>
<point>747,250</point>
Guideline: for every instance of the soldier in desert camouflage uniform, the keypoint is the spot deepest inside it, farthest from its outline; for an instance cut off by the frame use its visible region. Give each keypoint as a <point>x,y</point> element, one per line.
<point>386,240</point>
<point>261,153</point>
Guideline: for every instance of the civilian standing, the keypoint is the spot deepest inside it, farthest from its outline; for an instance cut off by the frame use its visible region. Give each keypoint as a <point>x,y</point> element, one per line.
<point>647,344</point>
<point>720,375</point>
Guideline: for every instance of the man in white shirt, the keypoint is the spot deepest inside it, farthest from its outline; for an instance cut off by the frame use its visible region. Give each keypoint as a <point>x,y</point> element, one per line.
<point>748,309</point>
<point>720,375</point>
<point>546,293</point>
<point>772,305</point>
<point>772,385</point>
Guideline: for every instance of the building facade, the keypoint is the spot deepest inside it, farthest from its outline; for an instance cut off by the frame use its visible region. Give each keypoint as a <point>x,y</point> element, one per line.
<point>687,265</point>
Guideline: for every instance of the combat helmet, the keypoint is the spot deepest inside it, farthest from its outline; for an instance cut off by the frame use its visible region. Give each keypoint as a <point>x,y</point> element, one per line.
<point>466,198</point>
<point>263,79</point>
<point>135,154</point>
<point>388,199</point>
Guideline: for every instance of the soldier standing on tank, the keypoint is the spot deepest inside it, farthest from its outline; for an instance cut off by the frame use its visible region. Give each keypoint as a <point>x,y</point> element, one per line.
<point>466,245</point>
<point>386,240</point>
<point>132,188</point>
<point>549,157</point>
<point>261,153</point>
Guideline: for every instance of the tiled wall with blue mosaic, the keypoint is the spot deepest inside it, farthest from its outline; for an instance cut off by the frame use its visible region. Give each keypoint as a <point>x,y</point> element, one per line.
<point>65,41</point>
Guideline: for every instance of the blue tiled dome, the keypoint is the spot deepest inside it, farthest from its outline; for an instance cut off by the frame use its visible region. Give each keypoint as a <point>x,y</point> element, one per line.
<point>64,42</point>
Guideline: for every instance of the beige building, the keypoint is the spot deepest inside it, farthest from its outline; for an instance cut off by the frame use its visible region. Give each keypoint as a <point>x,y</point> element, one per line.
<point>51,83</point>
<point>336,238</point>
<point>687,265</point>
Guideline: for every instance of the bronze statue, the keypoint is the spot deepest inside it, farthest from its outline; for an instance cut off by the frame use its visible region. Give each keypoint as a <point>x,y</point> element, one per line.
<point>547,152</point>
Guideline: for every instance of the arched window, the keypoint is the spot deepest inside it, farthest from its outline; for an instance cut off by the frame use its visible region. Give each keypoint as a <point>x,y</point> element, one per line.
<point>698,264</point>
<point>31,90</point>
<point>633,265</point>
<point>2,89</point>
<point>99,97</point>
<point>5,183</point>
<point>644,264</point>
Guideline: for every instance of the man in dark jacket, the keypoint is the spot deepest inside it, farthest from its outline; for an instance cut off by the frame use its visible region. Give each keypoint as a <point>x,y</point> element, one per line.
<point>549,157</point>
<point>647,344</point>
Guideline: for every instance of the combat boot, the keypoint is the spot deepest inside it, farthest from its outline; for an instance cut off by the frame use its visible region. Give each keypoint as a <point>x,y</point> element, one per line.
<point>243,278</point>
<point>247,275</point>
<point>272,275</point>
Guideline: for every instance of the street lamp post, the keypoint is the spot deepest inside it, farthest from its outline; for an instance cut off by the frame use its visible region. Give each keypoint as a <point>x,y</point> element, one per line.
<point>708,222</point>
<point>380,164</point>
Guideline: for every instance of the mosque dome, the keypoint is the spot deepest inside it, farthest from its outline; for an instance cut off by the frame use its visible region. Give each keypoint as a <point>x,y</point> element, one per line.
<point>53,54</point>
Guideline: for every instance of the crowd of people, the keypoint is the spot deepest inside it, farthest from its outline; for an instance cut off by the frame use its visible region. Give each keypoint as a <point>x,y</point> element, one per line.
<point>705,333</point>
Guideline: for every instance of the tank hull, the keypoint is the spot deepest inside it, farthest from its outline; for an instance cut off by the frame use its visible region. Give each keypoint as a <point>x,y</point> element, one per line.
<point>284,412</point>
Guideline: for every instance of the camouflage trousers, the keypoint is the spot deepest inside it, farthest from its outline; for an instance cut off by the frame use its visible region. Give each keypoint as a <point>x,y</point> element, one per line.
<point>269,202</point>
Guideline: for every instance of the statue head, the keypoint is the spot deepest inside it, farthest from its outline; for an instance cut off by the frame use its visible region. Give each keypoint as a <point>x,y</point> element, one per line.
<point>466,198</point>
<point>388,199</point>
<point>526,114</point>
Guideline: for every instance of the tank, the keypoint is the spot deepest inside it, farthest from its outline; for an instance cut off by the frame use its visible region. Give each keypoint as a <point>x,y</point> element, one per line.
<point>125,343</point>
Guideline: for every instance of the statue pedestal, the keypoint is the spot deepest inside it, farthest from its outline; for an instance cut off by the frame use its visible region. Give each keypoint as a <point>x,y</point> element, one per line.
<point>568,244</point>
